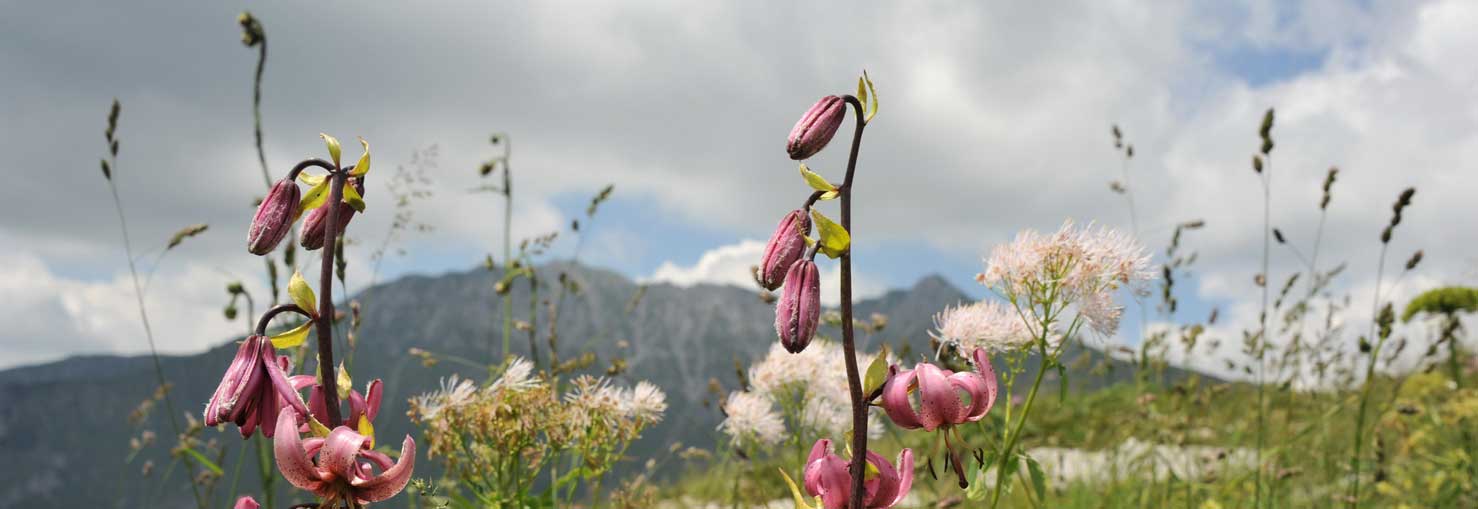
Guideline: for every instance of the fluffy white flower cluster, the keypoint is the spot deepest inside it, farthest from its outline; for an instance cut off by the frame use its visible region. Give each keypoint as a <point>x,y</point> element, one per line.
<point>455,391</point>
<point>812,382</point>
<point>751,418</point>
<point>644,402</point>
<point>1078,267</point>
<point>988,324</point>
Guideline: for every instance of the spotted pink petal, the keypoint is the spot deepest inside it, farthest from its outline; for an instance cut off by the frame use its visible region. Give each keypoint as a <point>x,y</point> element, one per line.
<point>885,485</point>
<point>827,477</point>
<point>939,404</point>
<point>340,452</point>
<point>905,479</point>
<point>896,401</point>
<point>392,480</point>
<point>293,462</point>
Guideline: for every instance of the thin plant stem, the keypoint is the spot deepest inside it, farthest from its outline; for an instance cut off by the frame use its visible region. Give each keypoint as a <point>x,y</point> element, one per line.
<point>325,318</point>
<point>1262,333</point>
<point>1380,270</point>
<point>849,347</point>
<point>144,318</point>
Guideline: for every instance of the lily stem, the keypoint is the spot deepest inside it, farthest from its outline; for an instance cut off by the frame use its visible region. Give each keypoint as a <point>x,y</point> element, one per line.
<point>854,381</point>
<point>326,299</point>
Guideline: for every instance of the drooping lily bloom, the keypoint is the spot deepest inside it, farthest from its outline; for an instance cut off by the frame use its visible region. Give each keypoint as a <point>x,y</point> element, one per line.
<point>827,477</point>
<point>246,502</point>
<point>939,390</point>
<point>342,466</point>
<point>815,129</point>
<point>799,307</point>
<point>359,403</point>
<point>274,218</point>
<point>313,229</point>
<point>786,246</point>
<point>254,389</point>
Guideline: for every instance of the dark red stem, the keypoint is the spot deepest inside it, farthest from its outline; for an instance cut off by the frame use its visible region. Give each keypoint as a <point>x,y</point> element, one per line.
<point>325,323</point>
<point>849,347</point>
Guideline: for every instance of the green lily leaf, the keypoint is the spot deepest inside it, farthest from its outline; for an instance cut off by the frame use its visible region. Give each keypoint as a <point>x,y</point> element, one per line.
<point>319,430</point>
<point>333,146</point>
<point>293,337</point>
<point>352,197</point>
<point>367,429</point>
<point>345,384</point>
<point>877,372</point>
<point>816,181</point>
<point>872,94</point>
<point>314,198</point>
<point>362,167</point>
<point>834,239</point>
<point>310,179</point>
<point>302,294</point>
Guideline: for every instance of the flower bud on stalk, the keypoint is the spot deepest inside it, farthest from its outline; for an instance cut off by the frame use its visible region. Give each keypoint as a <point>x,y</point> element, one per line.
<point>313,225</point>
<point>786,246</point>
<point>816,127</point>
<point>274,218</point>
<point>799,308</point>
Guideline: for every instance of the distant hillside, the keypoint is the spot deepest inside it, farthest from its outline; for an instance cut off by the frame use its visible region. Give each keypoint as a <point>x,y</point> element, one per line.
<point>64,425</point>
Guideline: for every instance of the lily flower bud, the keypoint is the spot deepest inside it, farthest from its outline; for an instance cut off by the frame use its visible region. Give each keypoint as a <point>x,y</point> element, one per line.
<point>786,246</point>
<point>799,308</point>
<point>816,127</point>
<point>313,226</point>
<point>273,219</point>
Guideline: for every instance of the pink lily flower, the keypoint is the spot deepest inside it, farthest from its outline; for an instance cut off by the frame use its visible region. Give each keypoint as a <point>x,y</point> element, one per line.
<point>342,466</point>
<point>246,502</point>
<point>939,393</point>
<point>359,403</point>
<point>827,477</point>
<point>253,390</point>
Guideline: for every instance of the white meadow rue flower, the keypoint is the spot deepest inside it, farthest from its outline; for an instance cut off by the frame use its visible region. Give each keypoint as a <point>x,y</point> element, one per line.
<point>1077,267</point>
<point>751,417</point>
<point>455,391</point>
<point>811,374</point>
<point>987,325</point>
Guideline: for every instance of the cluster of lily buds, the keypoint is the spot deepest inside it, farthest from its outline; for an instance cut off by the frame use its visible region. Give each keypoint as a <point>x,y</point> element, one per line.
<point>274,218</point>
<point>341,466</point>
<point>311,236</point>
<point>816,127</point>
<point>786,246</point>
<point>827,476</point>
<point>254,390</point>
<point>939,392</point>
<point>799,308</point>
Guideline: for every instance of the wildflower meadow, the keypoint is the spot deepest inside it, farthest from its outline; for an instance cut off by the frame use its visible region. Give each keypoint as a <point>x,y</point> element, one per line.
<point>965,302</point>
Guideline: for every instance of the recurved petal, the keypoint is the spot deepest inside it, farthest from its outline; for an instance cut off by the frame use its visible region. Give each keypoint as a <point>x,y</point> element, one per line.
<point>292,461</point>
<point>392,480</point>
<point>340,451</point>
<point>896,401</point>
<point>905,479</point>
<point>885,487</point>
<point>980,394</point>
<point>246,502</point>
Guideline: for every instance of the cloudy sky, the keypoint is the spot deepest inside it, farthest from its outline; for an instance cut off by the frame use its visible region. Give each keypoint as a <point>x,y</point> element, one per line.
<point>994,117</point>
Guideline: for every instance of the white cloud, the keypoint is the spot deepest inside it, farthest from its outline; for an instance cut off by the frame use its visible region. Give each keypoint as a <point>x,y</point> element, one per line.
<point>731,265</point>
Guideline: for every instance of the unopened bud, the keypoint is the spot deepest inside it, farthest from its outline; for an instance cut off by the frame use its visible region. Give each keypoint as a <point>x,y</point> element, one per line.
<point>313,225</point>
<point>816,127</point>
<point>786,246</point>
<point>274,218</point>
<point>799,308</point>
<point>1257,163</point>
